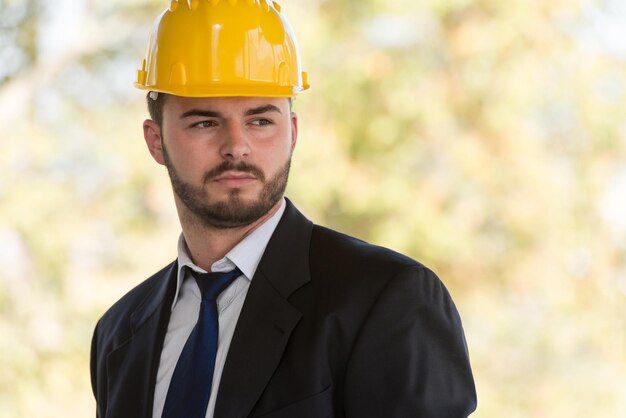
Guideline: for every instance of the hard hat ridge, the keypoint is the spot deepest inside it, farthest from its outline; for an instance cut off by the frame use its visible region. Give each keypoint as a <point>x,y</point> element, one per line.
<point>209,48</point>
<point>193,4</point>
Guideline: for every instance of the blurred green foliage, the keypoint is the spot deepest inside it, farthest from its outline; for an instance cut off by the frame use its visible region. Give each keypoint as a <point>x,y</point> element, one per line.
<point>485,138</point>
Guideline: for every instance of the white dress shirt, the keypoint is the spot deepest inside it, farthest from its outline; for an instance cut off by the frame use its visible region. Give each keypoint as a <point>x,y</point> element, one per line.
<point>186,306</point>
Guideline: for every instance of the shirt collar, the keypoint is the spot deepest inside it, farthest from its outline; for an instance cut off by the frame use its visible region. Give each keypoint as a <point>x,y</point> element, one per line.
<point>246,255</point>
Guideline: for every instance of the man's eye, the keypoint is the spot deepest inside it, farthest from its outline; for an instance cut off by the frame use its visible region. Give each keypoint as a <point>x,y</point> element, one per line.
<point>204,124</point>
<point>262,122</point>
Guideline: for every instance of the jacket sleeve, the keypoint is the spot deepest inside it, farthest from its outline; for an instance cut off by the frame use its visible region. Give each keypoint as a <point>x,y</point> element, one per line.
<point>93,365</point>
<point>410,358</point>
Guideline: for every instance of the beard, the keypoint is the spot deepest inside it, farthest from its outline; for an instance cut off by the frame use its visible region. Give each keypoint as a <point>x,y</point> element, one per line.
<point>234,211</point>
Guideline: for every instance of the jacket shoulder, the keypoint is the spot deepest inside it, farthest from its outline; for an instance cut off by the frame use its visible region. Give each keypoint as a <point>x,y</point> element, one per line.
<point>116,319</point>
<point>342,264</point>
<point>341,249</point>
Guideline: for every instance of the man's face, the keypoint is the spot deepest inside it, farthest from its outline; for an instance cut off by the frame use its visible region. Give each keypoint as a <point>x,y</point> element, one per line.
<point>228,158</point>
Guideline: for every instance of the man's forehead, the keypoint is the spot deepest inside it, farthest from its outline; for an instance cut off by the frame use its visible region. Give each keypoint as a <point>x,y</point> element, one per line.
<point>224,104</point>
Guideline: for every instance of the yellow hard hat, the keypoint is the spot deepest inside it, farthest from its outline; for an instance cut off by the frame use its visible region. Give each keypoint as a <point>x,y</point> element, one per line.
<point>212,48</point>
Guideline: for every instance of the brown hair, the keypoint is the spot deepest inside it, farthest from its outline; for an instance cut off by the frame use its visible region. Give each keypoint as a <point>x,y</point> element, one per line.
<point>155,107</point>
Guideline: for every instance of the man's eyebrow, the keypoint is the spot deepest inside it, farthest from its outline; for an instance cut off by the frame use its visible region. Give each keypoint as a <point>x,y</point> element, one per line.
<point>213,114</point>
<point>202,113</point>
<point>262,109</point>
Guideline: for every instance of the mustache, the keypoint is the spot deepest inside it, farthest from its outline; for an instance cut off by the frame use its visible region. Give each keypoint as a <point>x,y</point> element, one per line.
<point>230,166</point>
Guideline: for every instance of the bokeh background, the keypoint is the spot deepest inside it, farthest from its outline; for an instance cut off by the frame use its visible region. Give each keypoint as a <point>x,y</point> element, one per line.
<point>486,138</point>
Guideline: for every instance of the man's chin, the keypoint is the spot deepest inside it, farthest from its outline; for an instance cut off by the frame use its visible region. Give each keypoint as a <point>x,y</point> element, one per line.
<point>237,198</point>
<point>246,195</point>
<point>235,213</point>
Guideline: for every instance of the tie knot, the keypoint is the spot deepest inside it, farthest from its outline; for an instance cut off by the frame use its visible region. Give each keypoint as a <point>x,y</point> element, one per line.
<point>212,284</point>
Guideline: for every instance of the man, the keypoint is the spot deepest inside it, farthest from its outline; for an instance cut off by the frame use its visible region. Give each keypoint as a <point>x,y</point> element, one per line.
<point>301,321</point>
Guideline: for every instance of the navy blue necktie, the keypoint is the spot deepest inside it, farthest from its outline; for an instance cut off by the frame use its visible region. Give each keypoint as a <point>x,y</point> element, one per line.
<point>190,388</point>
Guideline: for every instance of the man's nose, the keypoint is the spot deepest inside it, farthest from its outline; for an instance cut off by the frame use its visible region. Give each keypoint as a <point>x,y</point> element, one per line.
<point>235,144</point>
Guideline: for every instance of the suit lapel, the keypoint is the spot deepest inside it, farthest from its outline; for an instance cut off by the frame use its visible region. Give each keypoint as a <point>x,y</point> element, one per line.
<point>267,318</point>
<point>132,366</point>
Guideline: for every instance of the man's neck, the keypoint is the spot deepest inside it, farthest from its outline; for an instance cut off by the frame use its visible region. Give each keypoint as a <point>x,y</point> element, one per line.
<point>208,244</point>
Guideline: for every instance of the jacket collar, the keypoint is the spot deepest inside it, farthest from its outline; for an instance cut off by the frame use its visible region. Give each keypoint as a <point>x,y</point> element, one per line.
<point>285,263</point>
<point>267,318</point>
<point>155,298</point>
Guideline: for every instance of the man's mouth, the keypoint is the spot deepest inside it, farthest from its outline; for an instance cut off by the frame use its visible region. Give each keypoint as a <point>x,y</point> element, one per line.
<point>227,171</point>
<point>235,178</point>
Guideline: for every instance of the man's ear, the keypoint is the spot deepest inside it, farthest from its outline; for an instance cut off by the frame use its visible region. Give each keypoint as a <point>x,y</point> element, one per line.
<point>294,130</point>
<point>152,135</point>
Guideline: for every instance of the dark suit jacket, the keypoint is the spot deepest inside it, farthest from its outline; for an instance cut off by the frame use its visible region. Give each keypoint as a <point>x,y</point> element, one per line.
<point>331,327</point>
